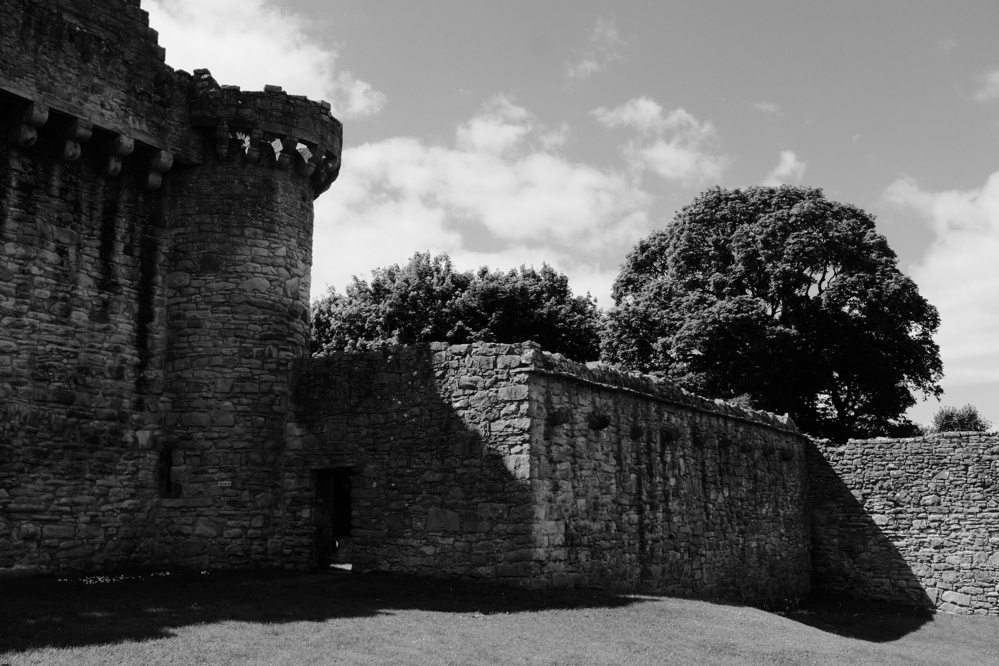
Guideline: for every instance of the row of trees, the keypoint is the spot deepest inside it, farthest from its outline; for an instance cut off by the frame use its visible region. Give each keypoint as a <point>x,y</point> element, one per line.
<point>775,297</point>
<point>428,300</point>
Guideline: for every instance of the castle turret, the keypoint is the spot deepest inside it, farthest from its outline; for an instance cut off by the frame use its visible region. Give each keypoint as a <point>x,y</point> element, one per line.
<point>237,307</point>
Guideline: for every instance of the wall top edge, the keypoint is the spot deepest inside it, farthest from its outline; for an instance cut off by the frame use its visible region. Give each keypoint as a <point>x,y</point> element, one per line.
<point>991,437</point>
<point>529,358</point>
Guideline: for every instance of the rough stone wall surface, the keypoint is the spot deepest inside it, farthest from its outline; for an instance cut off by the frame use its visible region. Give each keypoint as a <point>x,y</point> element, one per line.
<point>437,441</point>
<point>81,342</point>
<point>80,359</point>
<point>236,317</point>
<point>156,242</point>
<point>642,486</point>
<point>910,521</point>
<point>503,462</point>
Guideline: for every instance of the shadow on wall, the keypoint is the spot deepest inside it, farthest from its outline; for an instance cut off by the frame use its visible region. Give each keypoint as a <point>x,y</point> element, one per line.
<point>435,492</point>
<point>852,556</point>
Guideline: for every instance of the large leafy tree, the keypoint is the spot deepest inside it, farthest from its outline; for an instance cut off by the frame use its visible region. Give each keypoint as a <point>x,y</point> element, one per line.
<point>427,300</point>
<point>785,299</point>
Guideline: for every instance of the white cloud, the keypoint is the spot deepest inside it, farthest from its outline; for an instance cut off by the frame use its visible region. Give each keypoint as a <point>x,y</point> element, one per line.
<point>676,146</point>
<point>988,86</point>
<point>766,107</point>
<point>500,128</point>
<point>957,274</point>
<point>605,47</point>
<point>499,196</point>
<point>251,43</point>
<point>789,169</point>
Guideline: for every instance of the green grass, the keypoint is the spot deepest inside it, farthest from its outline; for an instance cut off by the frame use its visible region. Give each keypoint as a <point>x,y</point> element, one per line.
<point>344,618</point>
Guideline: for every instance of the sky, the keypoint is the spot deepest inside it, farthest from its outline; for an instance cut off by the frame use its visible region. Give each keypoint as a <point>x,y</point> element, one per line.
<point>562,132</point>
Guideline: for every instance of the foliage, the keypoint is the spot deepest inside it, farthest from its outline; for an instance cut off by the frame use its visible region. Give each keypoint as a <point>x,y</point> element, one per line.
<point>784,296</point>
<point>427,300</point>
<point>959,419</point>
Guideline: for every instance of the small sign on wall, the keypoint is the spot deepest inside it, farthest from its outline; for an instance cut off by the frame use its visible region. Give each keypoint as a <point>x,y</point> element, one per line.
<point>225,484</point>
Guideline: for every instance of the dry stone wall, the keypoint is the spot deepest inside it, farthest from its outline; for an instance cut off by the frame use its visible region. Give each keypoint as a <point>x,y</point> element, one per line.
<point>909,521</point>
<point>503,462</point>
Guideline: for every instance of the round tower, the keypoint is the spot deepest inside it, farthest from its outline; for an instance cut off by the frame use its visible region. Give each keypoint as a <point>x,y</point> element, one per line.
<point>237,304</point>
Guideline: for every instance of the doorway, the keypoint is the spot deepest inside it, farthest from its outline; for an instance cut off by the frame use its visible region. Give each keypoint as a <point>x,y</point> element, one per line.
<point>332,518</point>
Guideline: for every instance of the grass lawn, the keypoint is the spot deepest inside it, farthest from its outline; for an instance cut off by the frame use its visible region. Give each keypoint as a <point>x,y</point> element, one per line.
<point>344,618</point>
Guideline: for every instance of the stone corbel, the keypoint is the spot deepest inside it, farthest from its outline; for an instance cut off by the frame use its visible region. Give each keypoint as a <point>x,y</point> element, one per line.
<point>78,132</point>
<point>25,133</point>
<point>120,147</point>
<point>289,151</point>
<point>159,164</point>
<point>325,173</point>
<point>308,167</point>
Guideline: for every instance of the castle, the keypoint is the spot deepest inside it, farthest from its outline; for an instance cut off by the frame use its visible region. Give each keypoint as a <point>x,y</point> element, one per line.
<point>159,408</point>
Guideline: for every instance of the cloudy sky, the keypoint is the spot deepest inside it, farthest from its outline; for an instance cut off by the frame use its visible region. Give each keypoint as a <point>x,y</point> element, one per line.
<point>509,133</point>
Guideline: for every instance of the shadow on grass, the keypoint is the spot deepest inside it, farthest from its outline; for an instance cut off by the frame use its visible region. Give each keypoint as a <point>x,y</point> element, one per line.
<point>857,568</point>
<point>50,612</point>
<point>863,620</point>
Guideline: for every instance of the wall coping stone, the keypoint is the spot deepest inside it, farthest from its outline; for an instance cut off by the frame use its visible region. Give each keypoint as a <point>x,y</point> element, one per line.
<point>619,378</point>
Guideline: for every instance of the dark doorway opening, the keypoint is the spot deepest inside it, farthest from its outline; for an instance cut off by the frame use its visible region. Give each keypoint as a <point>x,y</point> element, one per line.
<point>332,518</point>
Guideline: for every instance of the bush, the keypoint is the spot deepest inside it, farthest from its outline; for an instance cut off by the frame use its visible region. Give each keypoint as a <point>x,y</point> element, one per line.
<point>959,419</point>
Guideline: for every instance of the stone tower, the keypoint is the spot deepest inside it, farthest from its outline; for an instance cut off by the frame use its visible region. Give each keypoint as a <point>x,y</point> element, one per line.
<point>156,234</point>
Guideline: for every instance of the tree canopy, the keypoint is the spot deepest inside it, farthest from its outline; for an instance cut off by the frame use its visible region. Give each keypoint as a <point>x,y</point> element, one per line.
<point>959,419</point>
<point>427,300</point>
<point>781,297</point>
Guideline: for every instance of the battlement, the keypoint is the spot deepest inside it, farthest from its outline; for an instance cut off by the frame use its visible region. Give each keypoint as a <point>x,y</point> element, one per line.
<point>246,124</point>
<point>93,74</point>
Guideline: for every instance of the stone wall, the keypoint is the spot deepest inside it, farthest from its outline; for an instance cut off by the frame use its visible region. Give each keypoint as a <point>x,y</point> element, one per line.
<point>156,234</point>
<point>81,289</point>
<point>503,462</point>
<point>437,441</point>
<point>645,487</point>
<point>909,521</point>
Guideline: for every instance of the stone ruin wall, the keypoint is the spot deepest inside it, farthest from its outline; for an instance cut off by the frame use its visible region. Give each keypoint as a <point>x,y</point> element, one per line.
<point>505,463</point>
<point>646,487</point>
<point>909,521</point>
<point>153,293</point>
<point>437,489</point>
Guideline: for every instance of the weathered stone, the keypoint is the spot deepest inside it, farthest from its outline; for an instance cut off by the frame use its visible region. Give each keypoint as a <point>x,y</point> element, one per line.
<point>255,284</point>
<point>956,598</point>
<point>442,520</point>
<point>913,540</point>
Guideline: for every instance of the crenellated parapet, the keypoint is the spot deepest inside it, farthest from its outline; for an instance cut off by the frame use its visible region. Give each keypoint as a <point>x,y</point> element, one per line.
<point>271,128</point>
<point>102,86</point>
